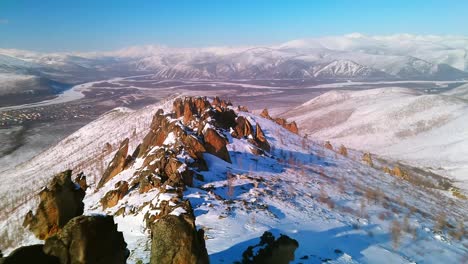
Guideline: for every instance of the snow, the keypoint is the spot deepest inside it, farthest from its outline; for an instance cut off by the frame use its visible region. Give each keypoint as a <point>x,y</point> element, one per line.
<point>399,123</point>
<point>294,190</point>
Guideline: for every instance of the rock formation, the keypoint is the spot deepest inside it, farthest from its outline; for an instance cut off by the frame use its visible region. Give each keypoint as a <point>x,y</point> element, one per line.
<point>243,128</point>
<point>112,197</point>
<point>271,251</point>
<point>117,164</point>
<point>328,145</point>
<point>80,179</point>
<point>175,239</point>
<point>281,121</point>
<point>215,144</point>
<point>90,240</point>
<point>60,201</point>
<point>29,254</point>
<point>260,139</point>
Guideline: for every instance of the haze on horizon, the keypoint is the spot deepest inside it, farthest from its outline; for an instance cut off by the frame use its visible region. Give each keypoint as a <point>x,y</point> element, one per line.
<point>108,25</point>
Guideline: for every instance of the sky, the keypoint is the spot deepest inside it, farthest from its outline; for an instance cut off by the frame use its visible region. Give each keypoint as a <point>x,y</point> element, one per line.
<point>97,25</point>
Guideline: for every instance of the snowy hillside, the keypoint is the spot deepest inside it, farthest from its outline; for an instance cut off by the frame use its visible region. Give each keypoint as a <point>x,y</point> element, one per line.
<point>339,208</point>
<point>400,123</point>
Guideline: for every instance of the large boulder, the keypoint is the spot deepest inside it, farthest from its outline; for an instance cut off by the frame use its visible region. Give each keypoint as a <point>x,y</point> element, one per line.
<point>260,139</point>
<point>175,239</point>
<point>216,144</point>
<point>29,254</point>
<point>112,197</point>
<point>60,201</point>
<point>271,250</point>
<point>90,240</point>
<point>117,164</point>
<point>243,128</point>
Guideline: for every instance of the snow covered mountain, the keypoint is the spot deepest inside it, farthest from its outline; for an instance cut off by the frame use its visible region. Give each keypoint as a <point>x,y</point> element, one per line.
<point>353,56</point>
<point>244,175</point>
<point>400,123</point>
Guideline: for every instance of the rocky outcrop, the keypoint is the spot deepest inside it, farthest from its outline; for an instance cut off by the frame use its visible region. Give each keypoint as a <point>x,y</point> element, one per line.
<point>29,254</point>
<point>243,128</point>
<point>271,250</point>
<point>175,239</point>
<point>215,144</point>
<point>118,163</point>
<point>260,139</point>
<point>112,197</point>
<point>281,121</point>
<point>60,201</point>
<point>90,240</point>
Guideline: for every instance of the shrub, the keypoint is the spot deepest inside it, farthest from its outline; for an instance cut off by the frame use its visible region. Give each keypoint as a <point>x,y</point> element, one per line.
<point>367,158</point>
<point>343,151</point>
<point>396,233</point>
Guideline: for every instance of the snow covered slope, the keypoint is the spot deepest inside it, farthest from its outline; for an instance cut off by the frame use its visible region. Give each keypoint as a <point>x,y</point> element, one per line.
<point>416,128</point>
<point>338,208</point>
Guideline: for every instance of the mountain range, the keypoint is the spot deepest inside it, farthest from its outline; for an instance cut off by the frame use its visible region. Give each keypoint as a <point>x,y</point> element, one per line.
<point>354,56</point>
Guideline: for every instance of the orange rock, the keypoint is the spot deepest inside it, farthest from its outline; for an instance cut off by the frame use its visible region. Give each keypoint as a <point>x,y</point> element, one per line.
<point>215,144</point>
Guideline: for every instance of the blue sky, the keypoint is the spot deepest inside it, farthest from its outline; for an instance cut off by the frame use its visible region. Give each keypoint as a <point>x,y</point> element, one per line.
<point>85,25</point>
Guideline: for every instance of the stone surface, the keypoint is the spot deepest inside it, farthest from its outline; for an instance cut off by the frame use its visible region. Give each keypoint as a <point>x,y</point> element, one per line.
<point>215,144</point>
<point>90,240</point>
<point>60,201</point>
<point>112,197</point>
<point>175,240</point>
<point>117,164</point>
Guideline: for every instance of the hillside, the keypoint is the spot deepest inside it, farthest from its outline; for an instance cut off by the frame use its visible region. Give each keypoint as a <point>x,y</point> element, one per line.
<point>399,123</point>
<point>243,175</point>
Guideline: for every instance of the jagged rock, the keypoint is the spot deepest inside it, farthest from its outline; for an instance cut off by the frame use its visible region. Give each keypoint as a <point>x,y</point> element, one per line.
<point>148,182</point>
<point>80,179</point>
<point>217,102</point>
<point>157,134</point>
<point>112,197</point>
<point>29,254</point>
<point>260,139</point>
<point>189,110</point>
<point>328,145</point>
<point>193,146</point>
<point>175,239</point>
<point>265,114</point>
<point>243,128</point>
<point>271,251</point>
<point>90,240</point>
<point>60,201</point>
<point>178,108</point>
<point>117,165</point>
<point>215,144</point>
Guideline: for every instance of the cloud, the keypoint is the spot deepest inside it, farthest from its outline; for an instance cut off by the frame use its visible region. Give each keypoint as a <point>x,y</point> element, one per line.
<point>4,21</point>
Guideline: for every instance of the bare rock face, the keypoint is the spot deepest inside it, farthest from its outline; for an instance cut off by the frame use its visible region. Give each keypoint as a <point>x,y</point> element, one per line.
<point>60,201</point>
<point>243,128</point>
<point>175,239</point>
<point>260,139</point>
<point>29,254</point>
<point>216,144</point>
<point>90,240</point>
<point>117,164</point>
<point>112,197</point>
